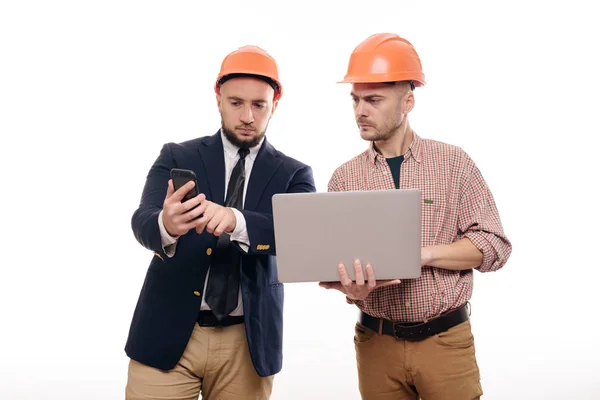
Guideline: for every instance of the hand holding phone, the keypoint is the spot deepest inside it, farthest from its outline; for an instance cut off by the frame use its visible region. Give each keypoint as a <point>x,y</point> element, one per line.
<point>179,208</point>
<point>182,176</point>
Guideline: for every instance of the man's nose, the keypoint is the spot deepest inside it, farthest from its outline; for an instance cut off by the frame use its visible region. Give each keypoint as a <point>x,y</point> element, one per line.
<point>247,116</point>
<point>360,110</point>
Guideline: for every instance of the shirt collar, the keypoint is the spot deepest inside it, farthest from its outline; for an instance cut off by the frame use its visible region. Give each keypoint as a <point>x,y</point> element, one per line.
<point>414,150</point>
<point>231,150</point>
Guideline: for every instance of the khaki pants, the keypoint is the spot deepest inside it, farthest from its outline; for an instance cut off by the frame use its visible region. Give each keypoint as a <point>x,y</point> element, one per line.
<point>215,363</point>
<point>439,367</point>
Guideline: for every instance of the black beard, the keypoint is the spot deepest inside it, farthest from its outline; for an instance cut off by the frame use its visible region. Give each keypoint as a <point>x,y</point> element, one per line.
<point>242,143</point>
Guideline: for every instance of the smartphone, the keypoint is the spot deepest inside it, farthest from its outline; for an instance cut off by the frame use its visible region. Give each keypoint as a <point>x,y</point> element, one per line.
<point>182,176</point>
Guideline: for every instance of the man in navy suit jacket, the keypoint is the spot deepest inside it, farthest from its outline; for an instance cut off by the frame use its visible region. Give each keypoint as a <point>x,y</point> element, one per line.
<point>178,345</point>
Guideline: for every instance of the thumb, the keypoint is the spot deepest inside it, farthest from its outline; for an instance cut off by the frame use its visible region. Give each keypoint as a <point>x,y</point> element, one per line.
<point>327,285</point>
<point>388,283</point>
<point>170,189</point>
<point>331,285</point>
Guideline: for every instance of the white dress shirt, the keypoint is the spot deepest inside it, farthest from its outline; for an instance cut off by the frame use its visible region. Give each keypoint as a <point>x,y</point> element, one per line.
<point>240,233</point>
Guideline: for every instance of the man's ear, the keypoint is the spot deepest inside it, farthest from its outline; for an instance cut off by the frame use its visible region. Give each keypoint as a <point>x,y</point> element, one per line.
<point>409,102</point>
<point>218,98</point>
<point>275,103</point>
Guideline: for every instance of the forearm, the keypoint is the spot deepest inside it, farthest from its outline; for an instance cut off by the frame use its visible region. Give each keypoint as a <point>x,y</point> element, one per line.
<point>146,229</point>
<point>144,221</point>
<point>261,236</point>
<point>460,255</point>
<point>259,225</point>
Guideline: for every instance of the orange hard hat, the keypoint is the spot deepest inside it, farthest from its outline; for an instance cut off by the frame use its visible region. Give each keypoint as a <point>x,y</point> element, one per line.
<point>250,60</point>
<point>384,57</point>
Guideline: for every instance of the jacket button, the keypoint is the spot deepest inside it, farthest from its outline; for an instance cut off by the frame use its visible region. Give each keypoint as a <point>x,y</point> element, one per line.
<point>196,293</point>
<point>208,251</point>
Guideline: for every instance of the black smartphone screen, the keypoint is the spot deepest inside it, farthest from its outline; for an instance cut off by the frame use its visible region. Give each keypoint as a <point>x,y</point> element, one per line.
<point>182,176</point>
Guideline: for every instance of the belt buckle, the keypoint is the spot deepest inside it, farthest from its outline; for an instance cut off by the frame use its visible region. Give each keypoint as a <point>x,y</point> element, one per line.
<point>397,330</point>
<point>402,332</point>
<point>412,332</point>
<point>208,321</point>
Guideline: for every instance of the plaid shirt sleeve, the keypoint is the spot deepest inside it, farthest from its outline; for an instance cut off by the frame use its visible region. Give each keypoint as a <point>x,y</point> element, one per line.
<point>336,183</point>
<point>479,220</point>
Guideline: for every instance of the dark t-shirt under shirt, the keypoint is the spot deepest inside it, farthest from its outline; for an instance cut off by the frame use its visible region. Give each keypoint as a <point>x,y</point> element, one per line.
<point>394,163</point>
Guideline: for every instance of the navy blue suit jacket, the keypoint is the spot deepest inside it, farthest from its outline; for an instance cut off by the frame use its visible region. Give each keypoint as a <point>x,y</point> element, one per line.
<point>170,297</point>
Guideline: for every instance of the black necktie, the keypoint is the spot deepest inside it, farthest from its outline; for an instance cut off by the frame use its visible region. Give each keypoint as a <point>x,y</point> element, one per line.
<point>224,280</point>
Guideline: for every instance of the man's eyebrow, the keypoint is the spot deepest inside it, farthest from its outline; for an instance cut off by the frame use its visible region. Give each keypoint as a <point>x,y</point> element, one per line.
<point>369,96</point>
<point>240,99</point>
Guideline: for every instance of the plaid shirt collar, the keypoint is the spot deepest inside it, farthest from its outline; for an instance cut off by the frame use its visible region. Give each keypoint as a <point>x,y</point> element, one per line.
<point>414,150</point>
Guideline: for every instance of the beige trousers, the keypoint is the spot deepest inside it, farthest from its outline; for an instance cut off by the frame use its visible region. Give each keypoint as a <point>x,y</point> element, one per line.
<point>216,364</point>
<point>441,367</point>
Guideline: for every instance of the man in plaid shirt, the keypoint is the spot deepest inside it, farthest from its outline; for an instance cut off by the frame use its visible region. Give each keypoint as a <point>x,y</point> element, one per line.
<point>413,338</point>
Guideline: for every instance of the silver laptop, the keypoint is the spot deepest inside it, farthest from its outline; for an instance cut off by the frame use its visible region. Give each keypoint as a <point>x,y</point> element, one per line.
<point>314,232</point>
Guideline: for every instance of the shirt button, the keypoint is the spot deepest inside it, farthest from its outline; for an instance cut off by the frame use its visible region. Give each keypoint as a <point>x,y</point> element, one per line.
<point>407,304</point>
<point>208,251</point>
<point>196,293</point>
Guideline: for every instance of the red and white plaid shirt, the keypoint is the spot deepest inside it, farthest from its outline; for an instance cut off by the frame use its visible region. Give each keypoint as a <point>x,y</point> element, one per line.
<point>457,203</point>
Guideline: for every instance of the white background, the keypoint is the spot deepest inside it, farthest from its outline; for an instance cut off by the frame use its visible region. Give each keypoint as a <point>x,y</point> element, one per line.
<point>90,90</point>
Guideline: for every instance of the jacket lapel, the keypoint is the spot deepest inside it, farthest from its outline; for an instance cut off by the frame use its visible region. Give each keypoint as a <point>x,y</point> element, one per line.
<point>266,163</point>
<point>211,153</point>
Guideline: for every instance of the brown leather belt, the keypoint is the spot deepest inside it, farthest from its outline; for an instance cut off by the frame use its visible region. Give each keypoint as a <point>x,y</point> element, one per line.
<point>416,330</point>
<point>207,318</point>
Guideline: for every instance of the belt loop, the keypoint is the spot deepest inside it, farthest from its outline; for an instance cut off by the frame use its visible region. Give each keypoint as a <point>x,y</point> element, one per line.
<point>380,326</point>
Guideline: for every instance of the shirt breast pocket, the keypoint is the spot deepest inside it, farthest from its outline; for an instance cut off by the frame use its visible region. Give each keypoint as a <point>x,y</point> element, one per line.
<point>431,217</point>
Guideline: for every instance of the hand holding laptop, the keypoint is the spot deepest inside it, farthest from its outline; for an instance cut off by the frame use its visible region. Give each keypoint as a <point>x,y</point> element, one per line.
<point>360,289</point>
